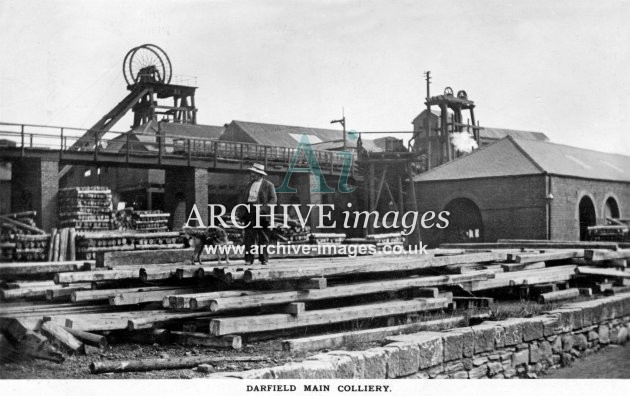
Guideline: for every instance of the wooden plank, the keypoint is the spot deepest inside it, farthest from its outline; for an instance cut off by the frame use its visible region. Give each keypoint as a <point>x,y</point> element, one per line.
<point>91,338</point>
<point>559,295</point>
<point>11,270</point>
<point>147,321</point>
<point>385,264</point>
<point>511,267</point>
<point>334,341</point>
<point>63,337</point>
<point>105,294</point>
<point>72,251</point>
<point>35,292</point>
<point>65,292</point>
<point>95,276</point>
<point>596,255</point>
<point>532,244</point>
<point>130,298</point>
<point>217,304</point>
<point>204,339</point>
<point>604,272</point>
<point>51,244</point>
<point>530,277</point>
<point>63,245</point>
<point>546,256</point>
<point>250,324</point>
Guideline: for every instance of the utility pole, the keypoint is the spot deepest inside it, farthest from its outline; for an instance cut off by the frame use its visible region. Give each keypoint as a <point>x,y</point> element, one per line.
<point>342,121</point>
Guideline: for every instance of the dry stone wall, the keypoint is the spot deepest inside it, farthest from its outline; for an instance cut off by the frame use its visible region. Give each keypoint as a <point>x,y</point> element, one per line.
<point>512,348</point>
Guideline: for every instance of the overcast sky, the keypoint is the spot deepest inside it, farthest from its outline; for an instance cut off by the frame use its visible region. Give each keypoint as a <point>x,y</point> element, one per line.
<point>559,67</point>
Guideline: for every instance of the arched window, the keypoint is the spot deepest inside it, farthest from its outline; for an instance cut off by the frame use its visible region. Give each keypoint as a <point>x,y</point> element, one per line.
<point>465,224</point>
<point>611,209</point>
<point>587,216</point>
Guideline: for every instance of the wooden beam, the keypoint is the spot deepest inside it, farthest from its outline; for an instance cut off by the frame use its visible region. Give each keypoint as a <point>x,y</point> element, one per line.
<point>526,258</point>
<point>385,264</point>
<point>131,298</point>
<point>95,276</point>
<point>217,304</point>
<point>604,272</point>
<point>512,267</point>
<point>204,339</point>
<point>91,338</point>
<point>336,340</point>
<point>602,255</point>
<point>13,270</point>
<point>251,324</point>
<point>559,295</point>
<point>530,277</point>
<point>67,340</point>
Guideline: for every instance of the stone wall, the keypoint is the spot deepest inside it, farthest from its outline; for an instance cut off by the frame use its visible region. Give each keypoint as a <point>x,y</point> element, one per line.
<point>516,347</point>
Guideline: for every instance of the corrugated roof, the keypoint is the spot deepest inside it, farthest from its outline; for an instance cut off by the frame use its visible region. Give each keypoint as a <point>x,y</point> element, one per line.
<point>513,157</point>
<point>289,136</point>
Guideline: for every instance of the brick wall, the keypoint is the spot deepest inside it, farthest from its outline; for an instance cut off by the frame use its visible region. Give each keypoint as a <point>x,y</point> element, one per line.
<point>35,184</point>
<point>511,207</point>
<point>515,347</point>
<point>567,193</point>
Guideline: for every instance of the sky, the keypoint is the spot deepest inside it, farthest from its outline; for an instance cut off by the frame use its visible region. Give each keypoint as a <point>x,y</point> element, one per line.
<point>559,67</point>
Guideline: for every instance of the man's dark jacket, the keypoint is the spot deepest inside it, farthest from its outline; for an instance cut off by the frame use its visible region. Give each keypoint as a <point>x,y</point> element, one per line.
<point>266,195</point>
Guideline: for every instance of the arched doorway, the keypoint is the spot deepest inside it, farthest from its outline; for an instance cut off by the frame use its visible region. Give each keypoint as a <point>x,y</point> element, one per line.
<point>611,209</point>
<point>465,223</point>
<point>587,216</point>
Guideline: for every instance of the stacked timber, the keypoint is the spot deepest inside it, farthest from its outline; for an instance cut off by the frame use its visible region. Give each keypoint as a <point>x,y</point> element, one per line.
<point>20,239</point>
<point>317,238</point>
<point>90,244</point>
<point>290,230</point>
<point>86,208</point>
<point>379,240</point>
<point>142,220</point>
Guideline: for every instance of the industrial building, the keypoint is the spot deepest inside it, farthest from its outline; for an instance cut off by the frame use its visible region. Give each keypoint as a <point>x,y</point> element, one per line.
<point>525,189</point>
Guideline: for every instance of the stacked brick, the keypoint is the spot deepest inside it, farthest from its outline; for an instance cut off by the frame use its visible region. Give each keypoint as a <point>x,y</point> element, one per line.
<point>86,208</point>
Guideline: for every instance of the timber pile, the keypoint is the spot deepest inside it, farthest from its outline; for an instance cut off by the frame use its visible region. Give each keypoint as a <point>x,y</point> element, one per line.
<point>142,220</point>
<point>89,244</point>
<point>20,239</point>
<point>317,238</point>
<point>86,208</point>
<point>150,296</point>
<point>379,240</point>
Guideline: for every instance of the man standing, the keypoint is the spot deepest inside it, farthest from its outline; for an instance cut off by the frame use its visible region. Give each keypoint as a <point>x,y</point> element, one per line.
<point>258,191</point>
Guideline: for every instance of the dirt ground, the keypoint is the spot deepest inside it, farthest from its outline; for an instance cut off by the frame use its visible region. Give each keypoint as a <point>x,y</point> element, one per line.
<point>610,362</point>
<point>78,366</point>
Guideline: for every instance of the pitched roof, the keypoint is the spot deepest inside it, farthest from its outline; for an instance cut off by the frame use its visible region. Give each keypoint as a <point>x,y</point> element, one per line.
<point>500,133</point>
<point>147,133</point>
<point>197,131</point>
<point>513,157</point>
<point>289,136</point>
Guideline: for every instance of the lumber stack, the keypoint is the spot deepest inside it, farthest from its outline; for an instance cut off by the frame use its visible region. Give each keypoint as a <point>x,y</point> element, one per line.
<point>20,239</point>
<point>142,220</point>
<point>322,237</point>
<point>90,244</point>
<point>86,208</point>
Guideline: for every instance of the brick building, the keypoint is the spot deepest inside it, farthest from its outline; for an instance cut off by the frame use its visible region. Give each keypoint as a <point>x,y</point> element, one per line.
<point>518,188</point>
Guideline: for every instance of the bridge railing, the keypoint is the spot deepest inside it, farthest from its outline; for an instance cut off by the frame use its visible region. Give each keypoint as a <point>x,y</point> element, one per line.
<point>65,140</point>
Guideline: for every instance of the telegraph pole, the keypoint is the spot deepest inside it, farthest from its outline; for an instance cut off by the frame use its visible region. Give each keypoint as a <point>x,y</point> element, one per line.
<point>342,121</point>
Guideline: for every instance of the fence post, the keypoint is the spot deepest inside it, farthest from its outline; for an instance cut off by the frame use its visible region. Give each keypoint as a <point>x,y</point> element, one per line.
<point>241,155</point>
<point>216,153</point>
